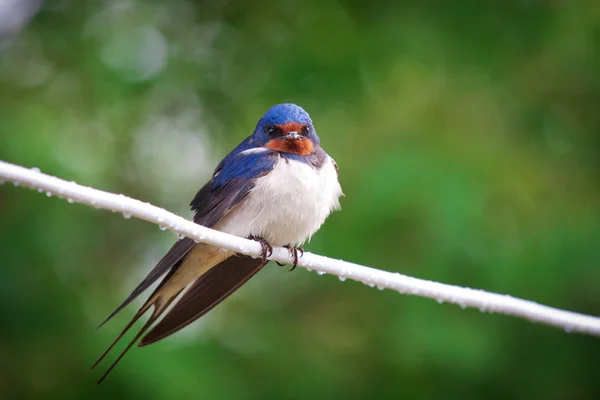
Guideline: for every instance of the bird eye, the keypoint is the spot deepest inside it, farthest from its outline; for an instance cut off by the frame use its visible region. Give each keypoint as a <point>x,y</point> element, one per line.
<point>305,130</point>
<point>273,130</point>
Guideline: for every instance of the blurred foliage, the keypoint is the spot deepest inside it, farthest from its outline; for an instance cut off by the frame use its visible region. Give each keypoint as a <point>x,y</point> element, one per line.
<point>468,138</point>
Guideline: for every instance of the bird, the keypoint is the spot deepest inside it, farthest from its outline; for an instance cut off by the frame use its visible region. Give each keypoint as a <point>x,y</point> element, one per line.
<point>276,187</point>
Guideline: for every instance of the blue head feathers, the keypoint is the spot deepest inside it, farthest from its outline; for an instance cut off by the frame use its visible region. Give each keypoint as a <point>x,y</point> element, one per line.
<point>283,113</point>
<point>280,115</point>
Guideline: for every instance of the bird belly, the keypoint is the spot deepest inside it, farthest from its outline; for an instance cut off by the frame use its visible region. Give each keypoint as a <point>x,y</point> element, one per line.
<point>288,205</point>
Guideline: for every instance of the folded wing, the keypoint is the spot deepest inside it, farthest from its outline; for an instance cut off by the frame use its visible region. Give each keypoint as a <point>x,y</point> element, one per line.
<point>204,294</point>
<point>232,181</point>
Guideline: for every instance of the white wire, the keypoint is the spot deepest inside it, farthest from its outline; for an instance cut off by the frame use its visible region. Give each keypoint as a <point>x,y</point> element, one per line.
<point>465,297</point>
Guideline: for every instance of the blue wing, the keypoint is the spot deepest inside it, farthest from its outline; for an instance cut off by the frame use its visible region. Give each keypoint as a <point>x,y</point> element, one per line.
<point>232,180</point>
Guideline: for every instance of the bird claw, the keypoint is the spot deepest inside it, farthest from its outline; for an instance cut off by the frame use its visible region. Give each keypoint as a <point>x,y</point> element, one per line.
<point>267,249</point>
<point>294,253</point>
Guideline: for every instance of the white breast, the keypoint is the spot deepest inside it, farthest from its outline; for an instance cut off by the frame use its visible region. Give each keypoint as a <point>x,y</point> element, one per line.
<point>288,205</point>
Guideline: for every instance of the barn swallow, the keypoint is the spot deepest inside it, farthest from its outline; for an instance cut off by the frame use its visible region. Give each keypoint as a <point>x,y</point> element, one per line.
<point>277,187</point>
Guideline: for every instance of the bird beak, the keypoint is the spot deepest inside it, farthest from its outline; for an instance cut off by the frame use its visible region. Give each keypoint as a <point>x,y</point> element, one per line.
<point>292,136</point>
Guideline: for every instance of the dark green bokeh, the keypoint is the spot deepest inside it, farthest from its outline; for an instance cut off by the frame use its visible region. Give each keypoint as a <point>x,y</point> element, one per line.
<point>468,138</point>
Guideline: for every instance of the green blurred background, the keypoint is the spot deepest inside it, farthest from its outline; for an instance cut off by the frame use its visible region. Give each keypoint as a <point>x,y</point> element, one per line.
<point>468,139</point>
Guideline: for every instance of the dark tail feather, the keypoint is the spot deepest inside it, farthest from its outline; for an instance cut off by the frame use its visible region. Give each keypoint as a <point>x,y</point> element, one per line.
<point>150,321</point>
<point>159,308</point>
<point>123,332</point>
<point>170,260</point>
<point>204,294</point>
<point>114,364</point>
<point>156,313</point>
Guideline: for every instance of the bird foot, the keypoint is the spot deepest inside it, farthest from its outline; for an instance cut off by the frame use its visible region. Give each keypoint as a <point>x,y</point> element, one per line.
<point>267,249</point>
<point>294,253</point>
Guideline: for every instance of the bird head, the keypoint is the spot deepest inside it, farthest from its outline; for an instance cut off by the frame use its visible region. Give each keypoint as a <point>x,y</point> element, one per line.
<point>286,128</point>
